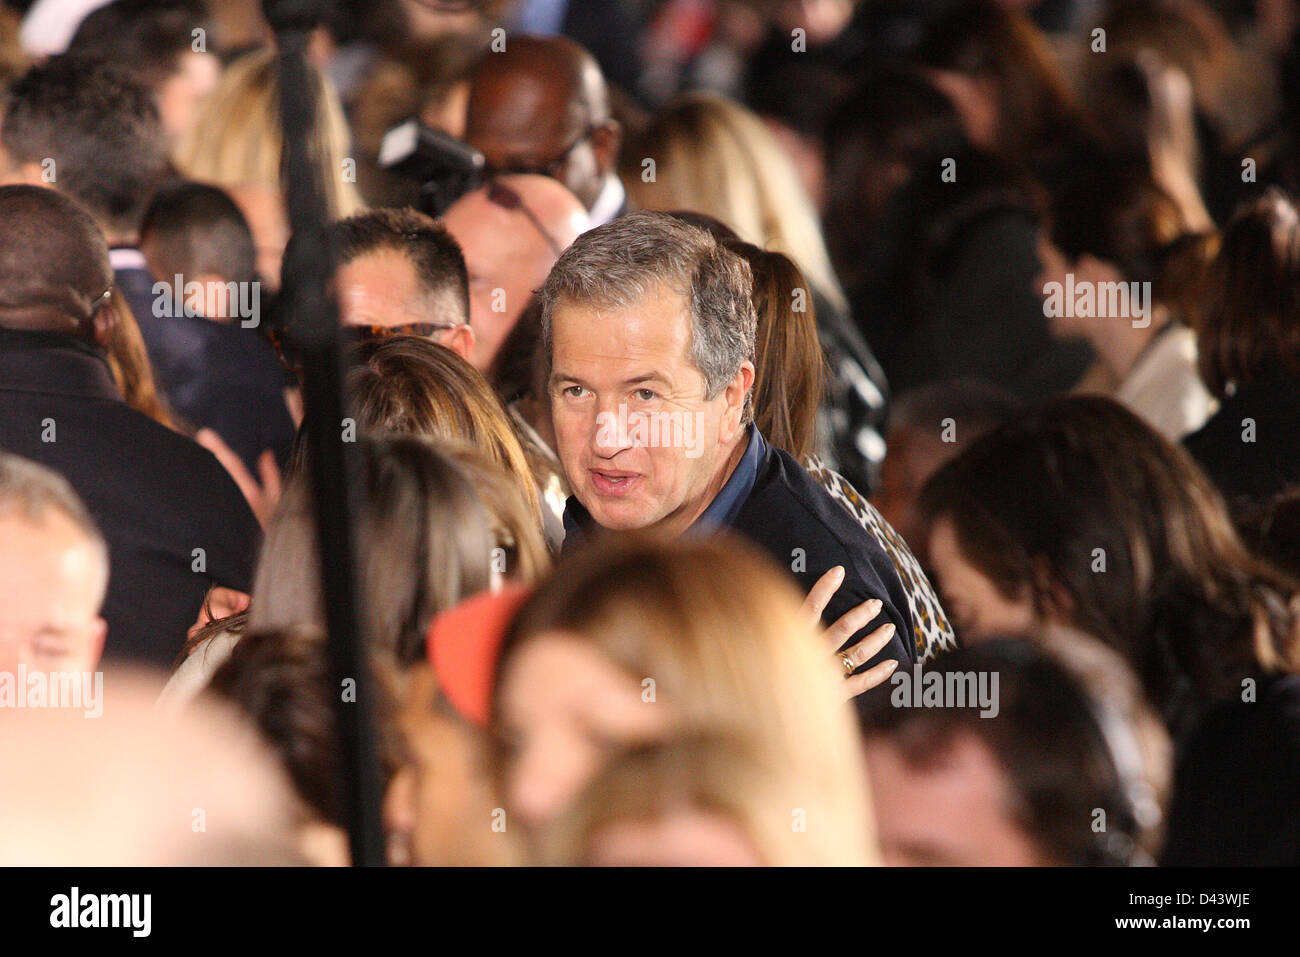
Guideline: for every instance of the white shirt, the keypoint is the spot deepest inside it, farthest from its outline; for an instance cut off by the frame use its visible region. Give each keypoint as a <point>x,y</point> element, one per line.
<point>609,202</point>
<point>1164,388</point>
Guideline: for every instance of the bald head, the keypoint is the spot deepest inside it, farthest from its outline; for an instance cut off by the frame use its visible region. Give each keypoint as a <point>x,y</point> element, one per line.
<point>54,265</point>
<point>507,253</point>
<point>541,105</point>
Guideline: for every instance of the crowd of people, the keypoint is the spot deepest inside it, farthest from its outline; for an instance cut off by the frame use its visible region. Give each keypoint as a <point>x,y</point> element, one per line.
<point>779,432</point>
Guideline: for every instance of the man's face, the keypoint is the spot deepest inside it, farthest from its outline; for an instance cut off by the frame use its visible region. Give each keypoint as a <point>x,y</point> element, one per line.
<point>954,814</point>
<point>522,124</point>
<point>640,444</point>
<point>51,579</point>
<point>382,289</point>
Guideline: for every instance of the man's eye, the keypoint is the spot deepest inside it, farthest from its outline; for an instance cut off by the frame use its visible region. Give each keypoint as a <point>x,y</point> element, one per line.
<point>574,391</point>
<point>645,395</point>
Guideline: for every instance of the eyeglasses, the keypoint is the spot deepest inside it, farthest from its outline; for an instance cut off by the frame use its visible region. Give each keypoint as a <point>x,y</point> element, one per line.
<point>424,329</point>
<point>505,197</point>
<point>550,168</point>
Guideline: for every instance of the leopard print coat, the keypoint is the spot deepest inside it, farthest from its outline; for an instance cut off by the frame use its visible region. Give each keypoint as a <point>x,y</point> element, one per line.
<point>931,630</point>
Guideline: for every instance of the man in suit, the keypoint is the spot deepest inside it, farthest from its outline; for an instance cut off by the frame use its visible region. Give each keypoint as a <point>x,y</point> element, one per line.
<point>650,330</point>
<point>174,521</point>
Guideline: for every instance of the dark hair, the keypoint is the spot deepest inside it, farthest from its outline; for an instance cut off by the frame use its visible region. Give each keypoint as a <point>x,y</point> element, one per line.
<point>142,37</point>
<point>1102,521</point>
<point>975,406</point>
<point>52,255</point>
<point>424,242</point>
<point>520,366</point>
<point>1036,111</point>
<point>1249,325</point>
<point>893,124</point>
<point>1072,733</point>
<point>281,680</point>
<point>195,229</point>
<point>1117,213</point>
<point>98,126</point>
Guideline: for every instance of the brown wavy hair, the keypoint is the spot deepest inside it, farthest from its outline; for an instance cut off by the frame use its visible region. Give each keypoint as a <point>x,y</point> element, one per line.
<point>1037,502</point>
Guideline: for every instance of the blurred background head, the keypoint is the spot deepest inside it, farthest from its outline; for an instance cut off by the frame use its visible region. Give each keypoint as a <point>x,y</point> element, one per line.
<point>54,570</point>
<point>400,272</point>
<point>631,644</point>
<point>1072,768</point>
<point>199,789</point>
<point>541,106</point>
<point>511,231</point>
<point>1122,537</point>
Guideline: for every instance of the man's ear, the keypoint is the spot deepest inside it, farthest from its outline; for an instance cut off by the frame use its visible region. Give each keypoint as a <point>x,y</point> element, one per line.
<point>735,392</point>
<point>102,326</point>
<point>460,340</point>
<point>606,142</point>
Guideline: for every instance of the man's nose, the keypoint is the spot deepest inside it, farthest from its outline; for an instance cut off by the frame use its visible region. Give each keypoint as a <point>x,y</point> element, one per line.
<point>609,435</point>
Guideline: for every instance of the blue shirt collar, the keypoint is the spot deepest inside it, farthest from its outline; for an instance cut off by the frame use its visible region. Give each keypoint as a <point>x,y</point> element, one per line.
<point>722,511</point>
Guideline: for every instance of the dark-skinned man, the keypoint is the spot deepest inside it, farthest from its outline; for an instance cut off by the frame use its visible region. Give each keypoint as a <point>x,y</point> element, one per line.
<point>541,106</point>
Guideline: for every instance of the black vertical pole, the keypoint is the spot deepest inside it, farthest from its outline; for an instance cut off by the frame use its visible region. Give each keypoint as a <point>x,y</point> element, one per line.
<point>314,326</point>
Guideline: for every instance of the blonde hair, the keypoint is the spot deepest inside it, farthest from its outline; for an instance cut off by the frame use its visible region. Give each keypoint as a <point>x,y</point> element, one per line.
<point>413,386</point>
<point>513,514</point>
<point>237,140</point>
<point>716,776</point>
<point>721,633</point>
<point>714,156</point>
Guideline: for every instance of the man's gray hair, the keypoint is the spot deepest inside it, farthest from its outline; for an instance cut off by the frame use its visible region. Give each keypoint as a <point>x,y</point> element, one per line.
<point>620,264</point>
<point>30,492</point>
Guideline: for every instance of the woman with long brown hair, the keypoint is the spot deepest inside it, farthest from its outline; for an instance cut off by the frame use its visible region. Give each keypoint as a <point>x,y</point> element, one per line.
<point>1079,514</point>
<point>1248,335</point>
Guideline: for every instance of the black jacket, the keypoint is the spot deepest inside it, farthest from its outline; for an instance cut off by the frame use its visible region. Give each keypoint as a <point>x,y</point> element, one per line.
<point>1236,796</point>
<point>156,496</point>
<point>791,517</point>
<point>1251,474</point>
<point>795,520</point>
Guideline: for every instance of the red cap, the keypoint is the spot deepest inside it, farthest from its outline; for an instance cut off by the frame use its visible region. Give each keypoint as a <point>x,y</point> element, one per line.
<point>463,645</point>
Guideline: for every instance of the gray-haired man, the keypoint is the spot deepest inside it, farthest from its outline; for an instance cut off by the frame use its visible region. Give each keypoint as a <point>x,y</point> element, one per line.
<point>651,333</point>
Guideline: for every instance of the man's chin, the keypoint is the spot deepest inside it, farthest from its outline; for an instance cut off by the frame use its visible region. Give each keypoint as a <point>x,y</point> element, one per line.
<point>618,516</point>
